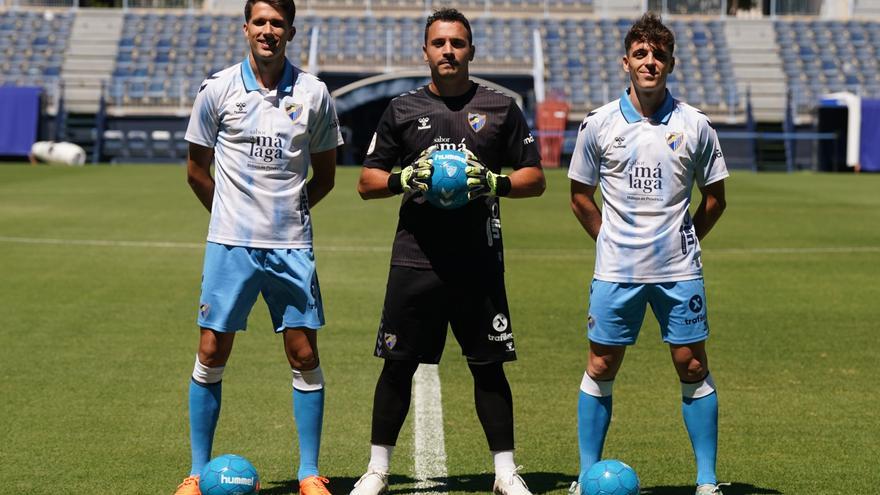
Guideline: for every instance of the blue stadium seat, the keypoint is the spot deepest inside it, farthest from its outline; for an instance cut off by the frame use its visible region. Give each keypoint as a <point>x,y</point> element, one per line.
<point>138,144</point>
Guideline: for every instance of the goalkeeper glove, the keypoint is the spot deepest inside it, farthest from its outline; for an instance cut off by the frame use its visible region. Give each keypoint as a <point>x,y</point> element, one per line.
<point>415,177</point>
<point>483,182</point>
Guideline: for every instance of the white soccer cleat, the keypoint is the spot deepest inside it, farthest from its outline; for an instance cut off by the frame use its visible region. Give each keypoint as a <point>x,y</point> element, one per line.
<point>371,483</point>
<point>710,489</point>
<point>575,488</point>
<point>511,484</point>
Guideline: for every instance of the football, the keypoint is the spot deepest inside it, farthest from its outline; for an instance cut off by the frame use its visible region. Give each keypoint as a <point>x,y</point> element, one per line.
<point>449,189</point>
<point>229,474</point>
<point>609,477</point>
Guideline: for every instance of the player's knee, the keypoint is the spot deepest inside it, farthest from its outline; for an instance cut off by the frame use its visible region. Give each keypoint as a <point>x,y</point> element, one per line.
<point>691,371</point>
<point>601,368</point>
<point>488,375</point>
<point>396,371</point>
<point>303,359</point>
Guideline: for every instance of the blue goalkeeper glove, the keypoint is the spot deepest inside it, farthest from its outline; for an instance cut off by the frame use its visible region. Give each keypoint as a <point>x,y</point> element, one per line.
<point>414,177</point>
<point>482,181</point>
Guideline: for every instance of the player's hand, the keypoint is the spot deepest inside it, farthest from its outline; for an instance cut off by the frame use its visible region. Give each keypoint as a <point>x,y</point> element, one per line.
<point>483,182</point>
<point>417,177</point>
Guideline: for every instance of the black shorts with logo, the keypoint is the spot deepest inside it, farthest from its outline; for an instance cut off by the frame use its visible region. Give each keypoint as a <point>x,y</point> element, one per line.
<point>420,305</point>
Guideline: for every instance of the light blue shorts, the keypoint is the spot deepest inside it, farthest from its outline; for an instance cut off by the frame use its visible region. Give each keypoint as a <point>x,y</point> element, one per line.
<point>233,276</point>
<point>617,311</point>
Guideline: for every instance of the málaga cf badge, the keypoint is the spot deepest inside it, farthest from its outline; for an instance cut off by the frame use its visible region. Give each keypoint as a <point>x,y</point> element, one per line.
<point>294,110</point>
<point>476,121</point>
<point>674,140</point>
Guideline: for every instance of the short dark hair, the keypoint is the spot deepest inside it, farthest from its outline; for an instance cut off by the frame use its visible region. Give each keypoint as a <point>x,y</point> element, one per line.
<point>449,14</point>
<point>650,29</point>
<point>286,7</point>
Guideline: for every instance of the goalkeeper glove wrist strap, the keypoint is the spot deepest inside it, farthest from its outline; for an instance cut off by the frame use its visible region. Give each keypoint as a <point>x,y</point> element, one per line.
<point>394,183</point>
<point>502,186</point>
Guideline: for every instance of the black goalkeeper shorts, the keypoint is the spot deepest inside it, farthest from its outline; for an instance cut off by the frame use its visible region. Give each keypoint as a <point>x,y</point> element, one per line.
<point>420,305</point>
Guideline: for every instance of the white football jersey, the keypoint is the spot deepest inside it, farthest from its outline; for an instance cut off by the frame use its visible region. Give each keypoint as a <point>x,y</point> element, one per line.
<point>262,143</point>
<point>646,169</point>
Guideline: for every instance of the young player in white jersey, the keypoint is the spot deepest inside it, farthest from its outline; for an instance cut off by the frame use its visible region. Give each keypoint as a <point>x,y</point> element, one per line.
<point>262,123</point>
<point>645,151</point>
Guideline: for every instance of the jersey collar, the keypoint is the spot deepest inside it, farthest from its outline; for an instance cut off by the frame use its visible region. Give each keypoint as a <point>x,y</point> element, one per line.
<point>632,115</point>
<point>250,80</point>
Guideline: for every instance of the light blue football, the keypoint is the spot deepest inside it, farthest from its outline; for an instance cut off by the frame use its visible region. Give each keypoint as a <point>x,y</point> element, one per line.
<point>609,477</point>
<point>229,474</point>
<point>449,188</point>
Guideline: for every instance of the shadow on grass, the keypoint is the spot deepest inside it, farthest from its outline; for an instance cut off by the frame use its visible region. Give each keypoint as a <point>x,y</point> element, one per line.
<point>733,489</point>
<point>406,485</point>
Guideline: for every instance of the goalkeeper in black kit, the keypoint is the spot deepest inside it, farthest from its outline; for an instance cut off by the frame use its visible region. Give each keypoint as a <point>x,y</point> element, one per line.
<point>447,266</point>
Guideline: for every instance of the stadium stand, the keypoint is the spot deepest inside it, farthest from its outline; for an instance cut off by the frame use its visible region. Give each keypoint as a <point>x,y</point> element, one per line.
<point>151,61</point>
<point>32,47</point>
<point>152,70</point>
<point>820,57</point>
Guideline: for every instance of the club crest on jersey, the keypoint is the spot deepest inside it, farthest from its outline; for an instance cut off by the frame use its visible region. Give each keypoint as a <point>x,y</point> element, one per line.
<point>674,140</point>
<point>390,340</point>
<point>476,121</point>
<point>294,111</point>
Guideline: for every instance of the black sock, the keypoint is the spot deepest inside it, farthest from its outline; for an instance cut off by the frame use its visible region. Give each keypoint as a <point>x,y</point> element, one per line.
<point>494,403</point>
<point>391,400</point>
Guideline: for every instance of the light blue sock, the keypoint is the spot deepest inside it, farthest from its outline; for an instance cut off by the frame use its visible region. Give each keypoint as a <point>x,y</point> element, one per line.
<point>204,410</point>
<point>594,416</point>
<point>308,411</point>
<point>701,420</point>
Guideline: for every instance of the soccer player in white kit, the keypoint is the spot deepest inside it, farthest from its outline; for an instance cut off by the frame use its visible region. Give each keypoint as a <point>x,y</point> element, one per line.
<point>262,123</point>
<point>645,151</point>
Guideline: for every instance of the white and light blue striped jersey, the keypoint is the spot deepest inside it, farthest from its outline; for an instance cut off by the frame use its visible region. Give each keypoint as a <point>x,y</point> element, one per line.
<point>646,169</point>
<point>262,143</point>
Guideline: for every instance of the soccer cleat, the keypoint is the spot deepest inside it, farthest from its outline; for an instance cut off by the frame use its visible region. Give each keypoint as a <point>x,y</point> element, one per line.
<point>190,486</point>
<point>710,489</point>
<point>371,483</point>
<point>575,488</point>
<point>510,484</point>
<point>314,485</point>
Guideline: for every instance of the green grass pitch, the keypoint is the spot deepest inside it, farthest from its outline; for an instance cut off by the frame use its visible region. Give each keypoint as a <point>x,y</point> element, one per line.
<point>100,272</point>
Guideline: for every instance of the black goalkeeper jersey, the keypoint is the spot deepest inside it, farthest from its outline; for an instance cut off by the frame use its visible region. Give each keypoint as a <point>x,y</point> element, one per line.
<point>491,126</point>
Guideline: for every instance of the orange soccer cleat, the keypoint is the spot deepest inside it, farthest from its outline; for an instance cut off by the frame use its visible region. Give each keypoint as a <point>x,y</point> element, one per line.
<point>190,486</point>
<point>314,485</point>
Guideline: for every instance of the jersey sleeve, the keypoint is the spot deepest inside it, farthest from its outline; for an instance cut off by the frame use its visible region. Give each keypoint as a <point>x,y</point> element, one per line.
<point>708,159</point>
<point>520,149</point>
<point>385,148</point>
<point>324,132</point>
<point>204,122</point>
<point>586,159</point>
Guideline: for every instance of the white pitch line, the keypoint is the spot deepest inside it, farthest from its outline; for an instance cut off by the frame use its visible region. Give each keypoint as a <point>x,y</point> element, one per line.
<point>529,252</point>
<point>429,450</point>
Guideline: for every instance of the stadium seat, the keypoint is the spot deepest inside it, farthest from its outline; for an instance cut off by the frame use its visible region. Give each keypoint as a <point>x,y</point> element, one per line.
<point>138,144</point>
<point>114,144</point>
<point>161,145</point>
